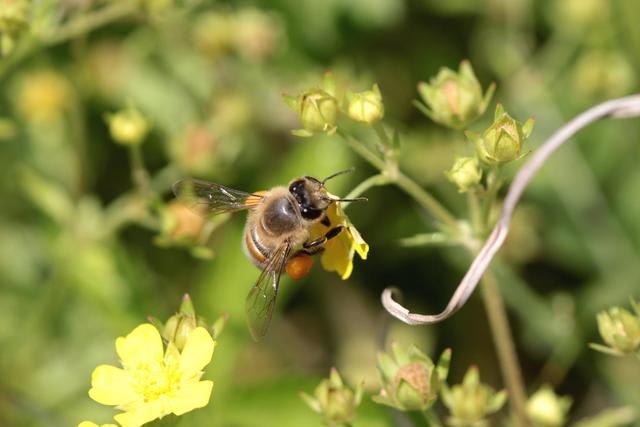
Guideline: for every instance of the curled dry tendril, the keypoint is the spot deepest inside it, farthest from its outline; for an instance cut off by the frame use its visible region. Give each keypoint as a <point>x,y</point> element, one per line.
<point>617,108</point>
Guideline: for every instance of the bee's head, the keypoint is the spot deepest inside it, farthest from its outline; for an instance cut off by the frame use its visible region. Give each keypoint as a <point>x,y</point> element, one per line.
<point>312,197</point>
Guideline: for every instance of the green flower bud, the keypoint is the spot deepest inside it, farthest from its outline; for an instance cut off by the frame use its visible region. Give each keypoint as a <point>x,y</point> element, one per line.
<point>317,110</point>
<point>366,107</point>
<point>547,409</point>
<point>465,173</point>
<point>333,400</point>
<point>257,34</point>
<point>213,33</point>
<point>472,401</point>
<point>454,99</point>
<point>502,141</point>
<point>179,326</point>
<point>620,330</point>
<point>13,16</point>
<point>181,223</point>
<point>410,380</point>
<point>128,126</point>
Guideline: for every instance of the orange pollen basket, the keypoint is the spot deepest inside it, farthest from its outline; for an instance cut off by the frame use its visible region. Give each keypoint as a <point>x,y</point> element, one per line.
<point>299,265</point>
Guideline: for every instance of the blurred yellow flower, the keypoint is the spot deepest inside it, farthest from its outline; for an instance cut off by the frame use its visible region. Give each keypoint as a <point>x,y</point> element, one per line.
<point>44,95</point>
<point>152,384</point>
<point>92,424</point>
<point>128,126</point>
<point>338,252</point>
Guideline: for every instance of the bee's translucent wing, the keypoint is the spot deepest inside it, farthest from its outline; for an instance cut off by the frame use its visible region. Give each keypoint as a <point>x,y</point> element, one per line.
<point>261,299</point>
<point>214,198</point>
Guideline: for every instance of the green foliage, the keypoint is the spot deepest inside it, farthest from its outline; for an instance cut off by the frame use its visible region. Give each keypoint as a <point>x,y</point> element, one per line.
<point>92,241</point>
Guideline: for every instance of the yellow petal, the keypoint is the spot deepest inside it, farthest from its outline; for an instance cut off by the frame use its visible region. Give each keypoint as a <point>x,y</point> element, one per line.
<point>338,252</point>
<point>92,424</point>
<point>338,256</point>
<point>142,346</point>
<point>361,247</point>
<point>191,397</point>
<point>112,386</point>
<point>142,414</point>
<point>171,355</point>
<point>197,352</point>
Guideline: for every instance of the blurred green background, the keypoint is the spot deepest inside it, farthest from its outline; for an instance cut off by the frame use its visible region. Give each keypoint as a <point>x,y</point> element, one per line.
<point>81,262</point>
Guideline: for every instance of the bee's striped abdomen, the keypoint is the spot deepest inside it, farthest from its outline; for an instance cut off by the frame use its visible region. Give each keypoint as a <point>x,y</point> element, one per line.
<point>254,249</point>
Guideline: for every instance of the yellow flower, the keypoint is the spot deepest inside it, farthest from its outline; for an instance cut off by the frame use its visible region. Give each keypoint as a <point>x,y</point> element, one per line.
<point>44,95</point>
<point>338,252</point>
<point>152,384</point>
<point>128,126</point>
<point>92,424</point>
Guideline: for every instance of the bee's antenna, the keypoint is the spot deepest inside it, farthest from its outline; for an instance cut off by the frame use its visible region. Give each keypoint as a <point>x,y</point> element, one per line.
<point>351,169</point>
<point>356,199</point>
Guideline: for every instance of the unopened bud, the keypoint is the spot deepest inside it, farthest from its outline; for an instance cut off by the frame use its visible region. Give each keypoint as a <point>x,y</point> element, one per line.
<point>317,108</point>
<point>454,99</point>
<point>410,380</point>
<point>366,107</point>
<point>317,111</point>
<point>180,325</point>
<point>176,330</point>
<point>472,401</point>
<point>620,329</point>
<point>128,126</point>
<point>213,33</point>
<point>465,173</point>
<point>181,223</point>
<point>257,34</point>
<point>502,141</point>
<point>333,400</point>
<point>547,409</point>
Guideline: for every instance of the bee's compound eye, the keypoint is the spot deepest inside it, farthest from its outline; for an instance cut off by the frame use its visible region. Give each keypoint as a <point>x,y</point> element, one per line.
<point>296,188</point>
<point>299,265</point>
<point>310,213</point>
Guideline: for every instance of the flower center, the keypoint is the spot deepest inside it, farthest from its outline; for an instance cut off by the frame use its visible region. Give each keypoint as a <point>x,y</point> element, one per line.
<point>157,380</point>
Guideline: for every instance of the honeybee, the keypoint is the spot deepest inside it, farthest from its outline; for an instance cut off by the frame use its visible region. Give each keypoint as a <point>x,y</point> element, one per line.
<point>276,235</point>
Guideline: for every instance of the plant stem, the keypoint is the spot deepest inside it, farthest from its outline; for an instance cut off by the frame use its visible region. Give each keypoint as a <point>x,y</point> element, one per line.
<point>129,207</point>
<point>89,22</point>
<point>425,200</point>
<point>474,212</point>
<point>494,182</point>
<point>372,181</point>
<point>363,151</point>
<point>428,239</point>
<point>385,143</point>
<point>494,305</point>
<point>431,418</point>
<point>139,174</point>
<point>74,28</point>
<point>505,348</point>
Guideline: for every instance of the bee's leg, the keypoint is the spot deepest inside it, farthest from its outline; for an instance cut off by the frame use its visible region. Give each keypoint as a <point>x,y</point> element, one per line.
<point>322,240</point>
<point>314,251</point>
